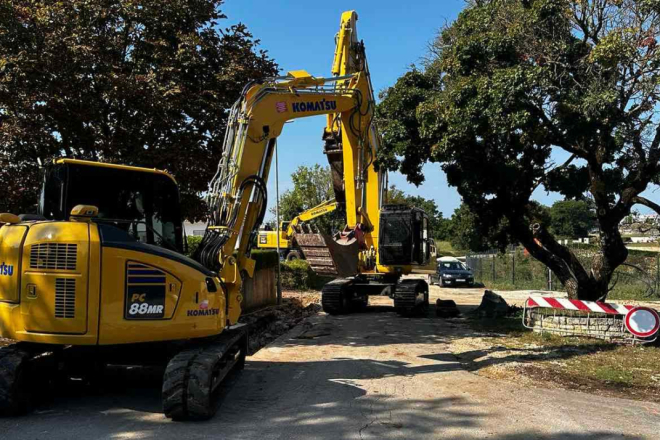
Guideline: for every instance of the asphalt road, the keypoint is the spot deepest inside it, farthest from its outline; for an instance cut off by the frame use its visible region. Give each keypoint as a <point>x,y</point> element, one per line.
<point>363,376</point>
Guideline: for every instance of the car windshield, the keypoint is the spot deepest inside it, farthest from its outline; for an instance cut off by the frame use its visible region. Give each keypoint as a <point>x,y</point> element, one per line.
<point>452,266</point>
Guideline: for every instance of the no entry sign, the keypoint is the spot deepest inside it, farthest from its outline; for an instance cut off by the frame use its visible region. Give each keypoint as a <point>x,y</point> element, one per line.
<point>642,322</point>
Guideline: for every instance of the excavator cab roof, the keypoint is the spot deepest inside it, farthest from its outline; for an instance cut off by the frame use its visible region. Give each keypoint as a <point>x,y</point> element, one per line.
<point>143,202</point>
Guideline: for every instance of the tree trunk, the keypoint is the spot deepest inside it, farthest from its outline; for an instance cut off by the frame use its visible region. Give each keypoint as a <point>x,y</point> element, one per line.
<point>579,284</point>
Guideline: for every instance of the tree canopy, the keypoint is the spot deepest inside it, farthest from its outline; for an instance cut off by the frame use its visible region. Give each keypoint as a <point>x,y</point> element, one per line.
<point>146,83</point>
<point>572,218</point>
<point>511,84</point>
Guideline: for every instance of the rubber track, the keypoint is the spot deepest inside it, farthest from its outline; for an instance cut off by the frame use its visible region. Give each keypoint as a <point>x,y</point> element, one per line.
<point>175,384</point>
<point>332,297</point>
<point>405,296</point>
<point>187,393</point>
<point>12,400</point>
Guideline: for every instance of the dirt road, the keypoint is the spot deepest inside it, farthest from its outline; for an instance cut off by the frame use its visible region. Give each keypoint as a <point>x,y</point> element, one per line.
<point>362,376</point>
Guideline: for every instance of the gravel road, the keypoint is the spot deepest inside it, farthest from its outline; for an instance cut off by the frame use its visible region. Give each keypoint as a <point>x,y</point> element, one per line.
<point>364,376</point>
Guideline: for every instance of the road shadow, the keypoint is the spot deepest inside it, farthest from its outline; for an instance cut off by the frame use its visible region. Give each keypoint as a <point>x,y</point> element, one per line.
<point>536,435</point>
<point>324,400</point>
<point>474,360</point>
<point>382,326</point>
<point>279,400</point>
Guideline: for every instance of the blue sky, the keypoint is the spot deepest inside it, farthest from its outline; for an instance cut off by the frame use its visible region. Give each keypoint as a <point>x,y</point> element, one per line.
<point>300,35</point>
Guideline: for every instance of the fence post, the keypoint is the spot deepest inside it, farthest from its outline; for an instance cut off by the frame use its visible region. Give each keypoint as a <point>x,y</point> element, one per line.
<point>549,279</point>
<point>493,267</point>
<point>513,268</point>
<point>657,272</point>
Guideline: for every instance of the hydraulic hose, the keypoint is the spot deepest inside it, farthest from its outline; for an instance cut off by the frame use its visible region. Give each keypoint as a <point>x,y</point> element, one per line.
<point>208,252</point>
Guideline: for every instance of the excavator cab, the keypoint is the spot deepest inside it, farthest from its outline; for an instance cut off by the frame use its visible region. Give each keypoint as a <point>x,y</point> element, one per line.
<point>404,236</point>
<point>142,202</point>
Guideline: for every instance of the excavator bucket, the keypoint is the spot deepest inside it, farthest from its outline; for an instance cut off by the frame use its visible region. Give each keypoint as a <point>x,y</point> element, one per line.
<point>328,257</point>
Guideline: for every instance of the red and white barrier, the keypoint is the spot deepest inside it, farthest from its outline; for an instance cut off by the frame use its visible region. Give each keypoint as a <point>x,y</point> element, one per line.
<point>576,304</point>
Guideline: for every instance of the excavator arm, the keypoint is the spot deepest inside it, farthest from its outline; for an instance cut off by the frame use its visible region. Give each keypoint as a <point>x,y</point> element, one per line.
<point>237,194</point>
<point>321,209</point>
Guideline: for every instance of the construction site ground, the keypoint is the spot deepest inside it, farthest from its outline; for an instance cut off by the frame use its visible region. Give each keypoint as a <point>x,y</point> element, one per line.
<point>371,375</point>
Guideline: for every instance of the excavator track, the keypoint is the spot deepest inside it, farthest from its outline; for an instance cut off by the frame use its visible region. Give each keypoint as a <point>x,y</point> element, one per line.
<point>335,297</point>
<point>411,297</point>
<point>192,379</point>
<point>25,375</point>
<point>16,396</point>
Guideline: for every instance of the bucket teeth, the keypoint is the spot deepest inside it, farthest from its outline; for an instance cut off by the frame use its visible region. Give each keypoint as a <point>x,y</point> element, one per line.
<point>327,257</point>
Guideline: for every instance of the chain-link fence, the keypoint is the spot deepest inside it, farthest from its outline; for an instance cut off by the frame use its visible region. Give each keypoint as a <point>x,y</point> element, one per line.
<point>637,278</point>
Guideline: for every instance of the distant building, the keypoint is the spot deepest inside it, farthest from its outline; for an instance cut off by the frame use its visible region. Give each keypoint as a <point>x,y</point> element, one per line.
<point>639,227</point>
<point>648,239</point>
<point>584,240</point>
<point>194,229</point>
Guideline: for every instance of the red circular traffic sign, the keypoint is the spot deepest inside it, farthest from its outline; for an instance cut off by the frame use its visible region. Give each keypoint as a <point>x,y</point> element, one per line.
<point>642,322</point>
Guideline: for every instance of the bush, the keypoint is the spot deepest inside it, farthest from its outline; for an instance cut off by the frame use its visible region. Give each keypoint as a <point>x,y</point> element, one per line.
<point>298,275</point>
<point>265,259</point>
<point>193,244</point>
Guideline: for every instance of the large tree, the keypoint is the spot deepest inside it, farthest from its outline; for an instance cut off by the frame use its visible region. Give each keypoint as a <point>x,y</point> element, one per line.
<point>512,84</point>
<point>143,82</point>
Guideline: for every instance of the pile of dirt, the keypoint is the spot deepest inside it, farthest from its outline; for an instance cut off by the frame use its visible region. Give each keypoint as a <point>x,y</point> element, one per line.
<point>493,306</point>
<point>268,324</point>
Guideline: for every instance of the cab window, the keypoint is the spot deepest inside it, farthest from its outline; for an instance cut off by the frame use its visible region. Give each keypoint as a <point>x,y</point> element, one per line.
<point>146,205</point>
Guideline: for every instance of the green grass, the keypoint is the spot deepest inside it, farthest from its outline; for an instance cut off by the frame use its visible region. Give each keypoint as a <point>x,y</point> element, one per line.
<point>624,365</point>
<point>445,249</point>
<point>644,245</point>
<point>497,273</point>
<point>634,292</point>
<point>577,361</point>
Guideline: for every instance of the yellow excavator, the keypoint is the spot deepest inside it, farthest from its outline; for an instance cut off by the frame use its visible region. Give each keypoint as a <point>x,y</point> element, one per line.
<point>293,228</point>
<point>98,276</point>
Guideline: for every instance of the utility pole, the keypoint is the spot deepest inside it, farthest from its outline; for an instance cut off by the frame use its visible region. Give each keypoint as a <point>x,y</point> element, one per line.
<point>277,228</point>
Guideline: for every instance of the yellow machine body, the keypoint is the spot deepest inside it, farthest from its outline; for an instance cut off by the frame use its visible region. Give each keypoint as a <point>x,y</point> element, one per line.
<point>61,282</point>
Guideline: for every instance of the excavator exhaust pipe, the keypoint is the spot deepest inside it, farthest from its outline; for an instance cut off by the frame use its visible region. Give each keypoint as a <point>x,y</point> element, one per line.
<point>329,257</point>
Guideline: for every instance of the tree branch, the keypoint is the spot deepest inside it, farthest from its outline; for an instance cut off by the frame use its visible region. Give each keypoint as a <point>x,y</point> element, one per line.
<point>639,200</point>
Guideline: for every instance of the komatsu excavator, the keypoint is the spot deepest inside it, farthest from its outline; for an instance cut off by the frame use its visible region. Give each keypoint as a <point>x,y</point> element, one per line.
<point>92,281</point>
<point>293,228</point>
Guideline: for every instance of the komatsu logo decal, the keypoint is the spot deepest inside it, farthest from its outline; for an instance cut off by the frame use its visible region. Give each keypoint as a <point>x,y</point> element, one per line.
<point>204,310</point>
<point>145,292</point>
<point>6,270</point>
<point>207,312</point>
<point>314,106</point>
